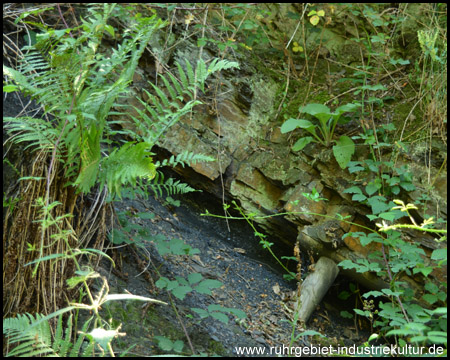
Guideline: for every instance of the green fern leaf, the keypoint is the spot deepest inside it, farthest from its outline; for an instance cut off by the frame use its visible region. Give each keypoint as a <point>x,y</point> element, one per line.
<point>170,187</point>
<point>190,73</point>
<point>32,341</point>
<point>183,78</point>
<point>177,86</point>
<point>39,133</point>
<point>189,158</point>
<point>34,338</point>
<point>90,160</point>
<point>126,164</point>
<point>170,89</point>
<point>201,74</point>
<point>219,65</point>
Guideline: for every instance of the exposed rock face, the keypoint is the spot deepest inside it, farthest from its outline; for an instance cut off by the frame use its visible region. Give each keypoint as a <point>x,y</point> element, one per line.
<point>256,166</point>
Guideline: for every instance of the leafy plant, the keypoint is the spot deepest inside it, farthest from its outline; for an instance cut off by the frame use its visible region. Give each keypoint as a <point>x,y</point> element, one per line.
<point>167,109</point>
<point>219,312</point>
<point>169,345</point>
<point>33,334</point>
<point>402,316</point>
<point>180,287</point>
<point>34,337</point>
<point>323,133</point>
<point>59,71</point>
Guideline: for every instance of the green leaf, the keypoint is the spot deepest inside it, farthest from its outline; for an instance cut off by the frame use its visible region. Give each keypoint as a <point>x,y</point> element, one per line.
<point>315,109</point>
<point>439,254</point>
<point>194,278</point>
<point>178,346</point>
<point>378,204</point>
<point>220,316</point>
<point>201,42</point>
<point>206,285</point>
<point>90,159</point>
<point>320,111</point>
<point>343,151</point>
<point>350,107</point>
<point>146,215</point>
<point>302,142</point>
<point>390,216</point>
<point>373,187</point>
<point>238,313</point>
<point>305,124</point>
<point>10,88</point>
<point>181,291</point>
<point>290,125</point>
<point>359,197</point>
<point>201,312</point>
<point>314,20</point>
<point>164,343</point>
<point>353,190</point>
<point>374,87</point>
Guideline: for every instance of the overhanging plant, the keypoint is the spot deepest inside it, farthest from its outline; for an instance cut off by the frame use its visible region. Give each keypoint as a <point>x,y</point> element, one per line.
<point>344,147</point>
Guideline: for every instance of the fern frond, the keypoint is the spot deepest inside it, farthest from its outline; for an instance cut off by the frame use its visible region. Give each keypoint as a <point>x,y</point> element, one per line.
<point>190,73</point>
<point>34,337</point>
<point>183,78</point>
<point>186,157</point>
<point>90,159</point>
<point>177,86</point>
<point>163,110</point>
<point>202,74</point>
<point>171,187</point>
<point>219,65</point>
<point>37,132</point>
<point>170,89</point>
<point>33,340</point>
<point>125,165</point>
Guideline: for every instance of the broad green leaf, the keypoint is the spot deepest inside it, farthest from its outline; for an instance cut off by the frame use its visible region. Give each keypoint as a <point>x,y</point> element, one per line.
<point>374,87</point>
<point>387,216</point>
<point>290,125</point>
<point>145,215</point>
<point>343,151</point>
<point>194,278</point>
<point>314,109</point>
<point>238,313</point>
<point>439,254</point>
<point>206,285</point>
<point>306,124</point>
<point>320,111</point>
<point>181,291</point>
<point>178,346</point>
<point>220,316</point>
<point>359,197</point>
<point>353,190</point>
<point>347,108</point>
<point>201,312</point>
<point>372,187</point>
<point>302,142</point>
<point>378,204</point>
<point>164,343</point>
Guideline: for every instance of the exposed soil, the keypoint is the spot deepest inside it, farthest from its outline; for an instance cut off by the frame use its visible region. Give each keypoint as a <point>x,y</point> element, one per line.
<point>250,276</point>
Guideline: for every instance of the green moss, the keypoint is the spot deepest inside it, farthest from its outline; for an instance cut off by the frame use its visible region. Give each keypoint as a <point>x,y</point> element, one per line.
<point>216,348</point>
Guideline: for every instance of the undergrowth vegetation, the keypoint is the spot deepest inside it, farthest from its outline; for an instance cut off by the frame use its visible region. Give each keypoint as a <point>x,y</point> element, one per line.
<point>91,146</point>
